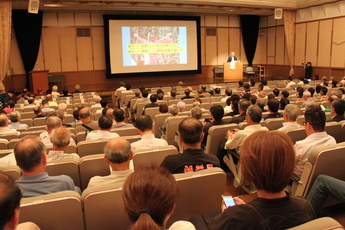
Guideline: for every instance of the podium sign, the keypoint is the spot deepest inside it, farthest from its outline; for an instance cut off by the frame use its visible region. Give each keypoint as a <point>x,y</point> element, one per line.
<point>233,74</point>
<point>38,80</point>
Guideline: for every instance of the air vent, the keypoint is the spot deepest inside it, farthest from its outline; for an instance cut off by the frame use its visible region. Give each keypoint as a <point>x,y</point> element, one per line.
<point>83,32</point>
<point>211,32</point>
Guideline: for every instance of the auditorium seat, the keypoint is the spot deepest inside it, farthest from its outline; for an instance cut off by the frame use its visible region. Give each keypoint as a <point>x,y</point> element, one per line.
<point>206,106</point>
<point>217,134</point>
<point>188,101</point>
<point>159,121</point>
<point>71,148</point>
<point>152,156</point>
<point>66,166</point>
<point>296,134</point>
<point>69,118</point>
<point>12,143</point>
<point>13,171</point>
<point>324,223</point>
<point>27,121</point>
<point>199,191</point>
<point>140,109</point>
<point>103,208</point>
<point>41,127</point>
<point>152,112</point>
<point>171,129</point>
<point>39,121</point>
<point>126,131</point>
<point>132,138</point>
<point>80,136</point>
<point>274,123</point>
<point>90,166</point>
<point>96,116</point>
<point>172,102</point>
<point>3,144</point>
<point>9,136</point>
<point>333,129</point>
<point>341,137</point>
<point>56,211</point>
<point>216,99</point>
<point>221,103</point>
<point>35,133</point>
<point>85,148</point>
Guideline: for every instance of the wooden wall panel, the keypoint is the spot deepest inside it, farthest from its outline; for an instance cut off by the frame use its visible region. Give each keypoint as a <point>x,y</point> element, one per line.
<point>261,48</point>
<point>271,45</point>
<point>325,43</point>
<point>338,51</point>
<point>50,19</point>
<point>203,48</point>
<point>280,45</point>
<point>51,51</point>
<point>66,19</point>
<point>211,20</point>
<point>211,50</point>
<point>235,41</point>
<point>270,60</point>
<point>223,45</point>
<point>68,49</point>
<point>98,48</point>
<point>82,19</point>
<point>222,21</point>
<point>84,53</point>
<point>312,42</point>
<point>97,19</point>
<point>300,43</point>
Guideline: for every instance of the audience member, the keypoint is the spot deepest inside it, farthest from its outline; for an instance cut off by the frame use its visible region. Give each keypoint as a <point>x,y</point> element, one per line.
<point>276,92</point>
<point>38,112</point>
<point>119,116</point>
<point>87,124</point>
<point>181,106</point>
<point>31,158</point>
<point>217,114</point>
<point>9,106</point>
<point>144,99</point>
<point>283,102</point>
<point>50,100</point>
<point>273,107</point>
<point>234,105</point>
<point>290,115</point>
<point>242,109</point>
<point>45,107</point>
<point>52,123</point>
<point>289,82</point>
<point>193,157</point>
<point>261,103</point>
<point>105,124</point>
<point>163,108</point>
<point>153,104</point>
<point>315,128</point>
<point>15,121</point>
<point>31,102</point>
<point>5,97</point>
<point>173,110</point>
<point>285,94</point>
<point>187,93</point>
<point>4,129</point>
<point>246,90</point>
<point>144,126</point>
<point>338,109</point>
<point>117,154</point>
<point>227,108</point>
<point>196,112</point>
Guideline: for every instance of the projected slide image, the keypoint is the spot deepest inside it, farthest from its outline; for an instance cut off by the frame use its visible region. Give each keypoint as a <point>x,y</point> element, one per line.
<point>154,45</point>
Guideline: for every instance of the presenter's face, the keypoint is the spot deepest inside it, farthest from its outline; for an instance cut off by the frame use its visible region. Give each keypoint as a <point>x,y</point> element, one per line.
<point>232,54</point>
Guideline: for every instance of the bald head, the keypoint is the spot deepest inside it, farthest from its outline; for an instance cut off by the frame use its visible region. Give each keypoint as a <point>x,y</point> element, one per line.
<point>3,120</point>
<point>60,137</point>
<point>85,114</point>
<point>29,152</point>
<point>190,130</point>
<point>117,150</point>
<point>49,97</point>
<point>110,113</point>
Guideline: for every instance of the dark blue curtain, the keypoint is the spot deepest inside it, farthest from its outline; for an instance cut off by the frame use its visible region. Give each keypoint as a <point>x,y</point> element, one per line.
<point>28,28</point>
<point>250,31</point>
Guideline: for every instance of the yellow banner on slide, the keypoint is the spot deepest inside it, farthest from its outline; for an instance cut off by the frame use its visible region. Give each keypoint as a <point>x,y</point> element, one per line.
<point>155,50</point>
<point>152,45</point>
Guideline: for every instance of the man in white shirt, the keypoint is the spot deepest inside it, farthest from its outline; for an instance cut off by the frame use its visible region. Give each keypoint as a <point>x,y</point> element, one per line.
<point>45,107</point>
<point>289,82</point>
<point>105,124</point>
<point>228,93</point>
<point>60,137</point>
<point>315,128</point>
<point>290,115</point>
<point>50,100</point>
<point>15,121</point>
<point>4,129</point>
<point>117,154</point>
<point>52,122</point>
<point>144,126</point>
<point>97,102</point>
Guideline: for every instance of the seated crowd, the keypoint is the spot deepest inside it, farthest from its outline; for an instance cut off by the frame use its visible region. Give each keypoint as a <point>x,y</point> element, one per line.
<point>268,158</point>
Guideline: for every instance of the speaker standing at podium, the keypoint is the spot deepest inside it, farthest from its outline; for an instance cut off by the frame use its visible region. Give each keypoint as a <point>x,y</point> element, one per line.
<point>232,57</point>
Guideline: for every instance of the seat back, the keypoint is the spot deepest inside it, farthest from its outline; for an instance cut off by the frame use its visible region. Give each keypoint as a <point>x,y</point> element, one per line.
<point>323,223</point>
<point>127,131</point>
<point>13,171</point>
<point>56,211</point>
<point>341,137</point>
<point>199,192</point>
<point>216,135</point>
<point>90,166</point>
<point>274,123</point>
<point>71,148</point>
<point>69,167</point>
<point>27,121</point>
<point>319,161</point>
<point>159,121</point>
<point>3,144</point>
<point>35,133</point>
<point>152,112</point>
<point>140,108</point>
<point>133,138</point>
<point>171,129</point>
<point>333,129</point>
<point>152,156</point>
<point>34,128</point>
<point>91,147</point>
<point>28,115</point>
<point>80,136</point>
<point>8,136</point>
<point>39,121</point>
<point>103,208</point>
<point>296,134</point>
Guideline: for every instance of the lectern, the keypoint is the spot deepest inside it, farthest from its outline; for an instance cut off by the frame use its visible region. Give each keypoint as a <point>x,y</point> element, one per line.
<point>38,80</point>
<point>233,74</point>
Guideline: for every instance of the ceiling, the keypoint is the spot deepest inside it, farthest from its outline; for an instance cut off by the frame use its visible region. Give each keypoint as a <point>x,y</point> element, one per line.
<point>255,7</point>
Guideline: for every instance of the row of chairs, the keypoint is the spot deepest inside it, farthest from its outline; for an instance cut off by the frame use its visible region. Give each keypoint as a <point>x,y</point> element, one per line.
<point>94,165</point>
<point>102,207</point>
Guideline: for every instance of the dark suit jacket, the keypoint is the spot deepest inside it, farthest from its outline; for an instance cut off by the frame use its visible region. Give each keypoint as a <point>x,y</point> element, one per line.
<point>238,119</point>
<point>337,118</point>
<point>230,59</point>
<point>273,115</point>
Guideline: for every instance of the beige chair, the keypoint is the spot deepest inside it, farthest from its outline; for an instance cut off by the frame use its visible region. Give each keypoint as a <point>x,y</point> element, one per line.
<point>133,138</point>
<point>8,136</point>
<point>206,105</point>
<point>103,208</point>
<point>171,129</point>
<point>171,102</point>
<point>188,101</point>
<point>80,136</point>
<point>39,121</point>
<point>3,144</point>
<point>28,115</point>
<point>69,118</point>
<point>296,134</point>
<point>326,160</point>
<point>13,171</point>
<point>96,116</point>
<point>217,134</point>
<point>341,137</point>
<point>152,156</point>
<point>65,166</point>
<point>159,121</point>
<point>227,119</point>
<point>216,99</point>
<point>274,123</point>
<point>124,94</point>
<point>56,211</point>
<point>28,110</point>
<point>12,143</point>
<point>324,223</point>
<point>221,103</point>
<point>140,109</point>
<point>205,99</point>
<point>27,121</point>
<point>35,133</point>
<point>90,166</point>
<point>152,112</point>
<point>333,129</point>
<point>200,192</point>
<point>71,148</point>
<point>34,128</point>
<point>91,147</point>
<point>127,131</point>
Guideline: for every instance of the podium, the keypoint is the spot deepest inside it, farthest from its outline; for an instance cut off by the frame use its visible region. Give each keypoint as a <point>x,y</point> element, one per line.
<point>233,74</point>
<point>38,80</point>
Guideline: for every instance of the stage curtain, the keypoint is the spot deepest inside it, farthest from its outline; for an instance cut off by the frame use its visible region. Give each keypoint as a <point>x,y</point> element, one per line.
<point>5,38</point>
<point>289,28</point>
<point>28,28</point>
<point>250,31</point>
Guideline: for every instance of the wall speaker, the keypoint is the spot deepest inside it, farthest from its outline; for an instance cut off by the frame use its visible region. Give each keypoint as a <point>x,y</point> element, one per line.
<point>278,13</point>
<point>33,7</point>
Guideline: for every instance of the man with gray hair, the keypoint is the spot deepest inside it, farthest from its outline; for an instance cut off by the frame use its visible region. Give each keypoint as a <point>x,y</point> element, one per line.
<point>4,129</point>
<point>31,157</point>
<point>117,154</point>
<point>15,121</point>
<point>97,102</point>
<point>196,112</point>
<point>85,117</point>
<point>290,115</point>
<point>307,99</point>
<point>52,122</point>
<point>242,108</point>
<point>61,137</point>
